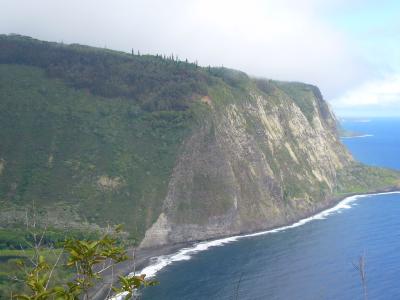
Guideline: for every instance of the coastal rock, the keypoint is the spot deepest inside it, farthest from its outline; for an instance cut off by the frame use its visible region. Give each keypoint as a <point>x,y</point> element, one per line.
<point>255,163</point>
<point>173,151</point>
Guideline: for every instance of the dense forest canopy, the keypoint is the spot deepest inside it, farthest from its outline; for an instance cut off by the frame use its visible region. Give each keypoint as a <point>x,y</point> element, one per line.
<point>156,82</point>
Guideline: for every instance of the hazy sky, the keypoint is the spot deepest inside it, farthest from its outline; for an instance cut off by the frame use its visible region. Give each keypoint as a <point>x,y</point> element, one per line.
<point>350,49</point>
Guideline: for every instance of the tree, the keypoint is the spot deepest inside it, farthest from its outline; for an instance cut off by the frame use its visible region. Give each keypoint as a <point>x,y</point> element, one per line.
<point>88,260</point>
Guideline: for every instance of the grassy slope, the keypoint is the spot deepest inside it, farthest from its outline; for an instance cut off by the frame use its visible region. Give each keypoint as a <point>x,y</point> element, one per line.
<point>152,82</point>
<point>72,114</point>
<point>9,269</point>
<point>301,94</point>
<point>361,179</point>
<point>56,142</point>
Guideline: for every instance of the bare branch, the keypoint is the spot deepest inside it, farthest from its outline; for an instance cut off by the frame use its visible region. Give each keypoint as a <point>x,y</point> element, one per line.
<point>133,260</point>
<point>28,257</point>
<point>43,233</point>
<point>360,268</point>
<point>106,268</point>
<point>15,278</point>
<point>111,283</point>
<point>54,266</point>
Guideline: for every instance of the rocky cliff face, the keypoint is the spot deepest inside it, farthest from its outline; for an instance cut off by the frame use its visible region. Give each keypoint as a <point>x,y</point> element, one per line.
<point>256,161</point>
<point>173,151</point>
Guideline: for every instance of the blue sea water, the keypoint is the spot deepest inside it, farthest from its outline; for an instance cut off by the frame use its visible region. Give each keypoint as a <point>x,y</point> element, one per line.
<point>381,142</point>
<point>311,261</point>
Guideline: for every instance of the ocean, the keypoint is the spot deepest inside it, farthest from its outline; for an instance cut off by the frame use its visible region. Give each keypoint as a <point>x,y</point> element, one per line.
<point>312,259</point>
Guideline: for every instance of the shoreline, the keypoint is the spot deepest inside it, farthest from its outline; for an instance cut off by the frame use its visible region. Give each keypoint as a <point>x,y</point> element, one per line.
<point>138,260</point>
<point>151,260</point>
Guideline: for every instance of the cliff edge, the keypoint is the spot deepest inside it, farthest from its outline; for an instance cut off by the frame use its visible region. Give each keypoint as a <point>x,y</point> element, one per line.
<point>174,151</point>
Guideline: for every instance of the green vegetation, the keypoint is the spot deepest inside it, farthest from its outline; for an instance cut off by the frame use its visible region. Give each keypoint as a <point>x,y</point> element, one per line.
<point>360,179</point>
<point>153,82</point>
<point>21,238</point>
<point>67,272</point>
<point>65,145</point>
<point>11,275</point>
<point>92,136</point>
<point>18,244</point>
<point>95,133</point>
<point>302,94</point>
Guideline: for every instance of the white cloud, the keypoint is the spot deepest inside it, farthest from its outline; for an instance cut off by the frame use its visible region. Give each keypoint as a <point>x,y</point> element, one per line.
<point>287,40</point>
<point>376,98</point>
<point>381,93</point>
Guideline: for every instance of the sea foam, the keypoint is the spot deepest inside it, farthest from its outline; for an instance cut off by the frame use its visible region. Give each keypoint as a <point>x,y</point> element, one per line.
<point>160,262</point>
<point>357,136</point>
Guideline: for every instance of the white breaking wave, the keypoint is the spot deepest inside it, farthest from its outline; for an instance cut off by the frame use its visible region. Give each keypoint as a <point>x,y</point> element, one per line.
<point>160,262</point>
<point>356,120</point>
<point>357,136</point>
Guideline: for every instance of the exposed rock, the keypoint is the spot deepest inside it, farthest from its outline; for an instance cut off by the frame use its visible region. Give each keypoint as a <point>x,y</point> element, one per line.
<point>2,165</point>
<point>254,164</point>
<point>180,151</point>
<point>50,161</point>
<point>106,183</point>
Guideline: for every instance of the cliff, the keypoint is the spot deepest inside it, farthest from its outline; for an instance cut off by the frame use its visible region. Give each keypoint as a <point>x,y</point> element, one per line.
<point>174,151</point>
<point>257,160</point>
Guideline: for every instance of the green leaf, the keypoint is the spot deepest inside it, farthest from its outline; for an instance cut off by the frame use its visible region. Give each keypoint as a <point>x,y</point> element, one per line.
<point>41,259</point>
<point>118,228</point>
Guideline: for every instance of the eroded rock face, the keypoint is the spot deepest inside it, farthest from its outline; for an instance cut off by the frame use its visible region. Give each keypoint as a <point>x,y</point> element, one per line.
<point>106,183</point>
<point>180,151</point>
<point>255,163</point>
<point>2,165</point>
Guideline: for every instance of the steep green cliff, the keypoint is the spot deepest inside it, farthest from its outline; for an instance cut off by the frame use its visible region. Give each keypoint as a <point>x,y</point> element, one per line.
<point>174,151</point>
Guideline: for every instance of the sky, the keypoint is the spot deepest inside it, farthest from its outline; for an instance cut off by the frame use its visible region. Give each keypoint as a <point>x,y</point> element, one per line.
<point>349,49</point>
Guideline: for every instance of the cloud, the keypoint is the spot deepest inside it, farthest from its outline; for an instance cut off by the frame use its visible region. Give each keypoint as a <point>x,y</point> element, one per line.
<point>381,95</point>
<point>286,40</point>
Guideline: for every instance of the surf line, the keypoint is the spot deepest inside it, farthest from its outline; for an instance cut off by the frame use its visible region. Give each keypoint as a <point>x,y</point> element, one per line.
<point>357,136</point>
<point>160,262</point>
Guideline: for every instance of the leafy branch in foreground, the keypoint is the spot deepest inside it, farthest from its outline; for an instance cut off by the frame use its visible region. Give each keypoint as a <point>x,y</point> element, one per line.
<point>88,260</point>
<point>136,282</point>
